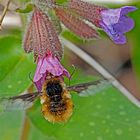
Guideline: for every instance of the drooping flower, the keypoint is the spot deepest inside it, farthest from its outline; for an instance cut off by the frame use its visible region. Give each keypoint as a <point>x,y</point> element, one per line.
<point>75,24</point>
<point>86,10</point>
<point>41,36</point>
<point>48,65</point>
<point>74,14</point>
<point>42,33</point>
<point>115,23</point>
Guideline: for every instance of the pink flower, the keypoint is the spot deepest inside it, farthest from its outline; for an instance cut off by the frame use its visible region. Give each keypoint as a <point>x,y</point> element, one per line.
<point>48,65</point>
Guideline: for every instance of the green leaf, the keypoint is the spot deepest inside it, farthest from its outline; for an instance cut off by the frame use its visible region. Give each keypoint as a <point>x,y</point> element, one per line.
<point>61,2</point>
<point>72,37</point>
<point>11,125</point>
<point>108,115</point>
<point>35,134</point>
<point>134,37</point>
<point>29,7</point>
<point>15,67</point>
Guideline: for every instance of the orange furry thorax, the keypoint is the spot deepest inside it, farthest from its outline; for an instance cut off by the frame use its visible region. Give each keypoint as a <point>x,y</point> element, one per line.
<point>56,101</point>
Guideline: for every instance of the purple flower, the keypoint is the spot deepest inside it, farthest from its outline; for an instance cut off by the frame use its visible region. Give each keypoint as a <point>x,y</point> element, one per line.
<point>115,23</point>
<point>48,65</point>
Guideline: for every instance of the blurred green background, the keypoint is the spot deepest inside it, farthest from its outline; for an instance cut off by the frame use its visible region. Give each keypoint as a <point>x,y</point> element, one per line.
<point>108,115</point>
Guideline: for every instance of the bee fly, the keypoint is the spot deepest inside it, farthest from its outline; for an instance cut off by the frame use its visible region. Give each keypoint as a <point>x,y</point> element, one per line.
<point>56,102</point>
<point>55,97</point>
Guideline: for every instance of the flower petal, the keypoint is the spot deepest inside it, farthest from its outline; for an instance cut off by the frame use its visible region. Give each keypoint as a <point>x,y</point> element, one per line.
<point>40,82</point>
<point>53,66</point>
<point>38,75</point>
<point>115,23</point>
<point>48,64</point>
<point>110,16</point>
<point>121,39</point>
<point>127,9</point>
<point>117,37</point>
<point>126,24</point>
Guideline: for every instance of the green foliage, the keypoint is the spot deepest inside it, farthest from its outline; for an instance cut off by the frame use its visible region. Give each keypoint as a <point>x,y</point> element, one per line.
<point>106,116</point>
<point>29,7</point>
<point>72,37</point>
<point>15,67</point>
<point>61,1</point>
<point>135,39</point>
<point>10,125</point>
<point>36,134</point>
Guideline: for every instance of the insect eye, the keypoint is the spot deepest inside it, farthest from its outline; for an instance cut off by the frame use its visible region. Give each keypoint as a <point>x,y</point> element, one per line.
<point>53,89</point>
<point>49,91</point>
<point>58,89</point>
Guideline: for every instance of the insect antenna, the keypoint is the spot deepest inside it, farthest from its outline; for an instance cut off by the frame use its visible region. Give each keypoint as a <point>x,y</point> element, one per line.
<point>71,75</point>
<point>31,78</point>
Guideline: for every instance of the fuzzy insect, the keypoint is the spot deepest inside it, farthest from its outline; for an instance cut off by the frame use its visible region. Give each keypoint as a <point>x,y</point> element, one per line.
<point>57,105</point>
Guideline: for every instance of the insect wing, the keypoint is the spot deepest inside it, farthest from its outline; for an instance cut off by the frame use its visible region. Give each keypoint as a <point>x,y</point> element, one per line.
<point>90,88</point>
<point>21,102</point>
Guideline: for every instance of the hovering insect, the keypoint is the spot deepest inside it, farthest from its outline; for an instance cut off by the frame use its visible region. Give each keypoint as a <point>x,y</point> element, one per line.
<point>55,98</point>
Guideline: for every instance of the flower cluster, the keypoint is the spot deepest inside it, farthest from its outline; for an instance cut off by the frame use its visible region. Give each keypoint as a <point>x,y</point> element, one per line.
<point>42,32</point>
<point>113,21</point>
<point>41,38</point>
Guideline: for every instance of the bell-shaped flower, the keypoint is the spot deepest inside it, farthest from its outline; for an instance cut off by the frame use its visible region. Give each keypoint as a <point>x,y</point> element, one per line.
<point>48,65</point>
<point>115,23</point>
